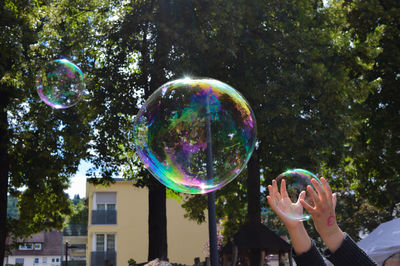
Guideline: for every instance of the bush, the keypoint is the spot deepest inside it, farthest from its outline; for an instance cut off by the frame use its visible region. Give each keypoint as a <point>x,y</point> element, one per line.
<point>132,262</point>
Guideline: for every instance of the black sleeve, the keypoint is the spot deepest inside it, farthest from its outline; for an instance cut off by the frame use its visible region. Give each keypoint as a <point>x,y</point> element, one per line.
<point>310,258</point>
<point>349,254</point>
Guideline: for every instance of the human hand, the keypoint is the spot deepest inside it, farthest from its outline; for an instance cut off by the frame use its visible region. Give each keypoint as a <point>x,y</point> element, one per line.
<point>323,213</point>
<point>282,205</point>
<point>280,202</point>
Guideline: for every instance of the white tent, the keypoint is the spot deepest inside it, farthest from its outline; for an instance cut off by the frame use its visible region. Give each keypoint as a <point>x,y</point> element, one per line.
<point>383,241</point>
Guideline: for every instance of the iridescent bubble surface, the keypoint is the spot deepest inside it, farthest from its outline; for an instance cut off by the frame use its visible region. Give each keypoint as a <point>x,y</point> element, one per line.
<point>297,180</point>
<point>60,84</point>
<point>171,134</point>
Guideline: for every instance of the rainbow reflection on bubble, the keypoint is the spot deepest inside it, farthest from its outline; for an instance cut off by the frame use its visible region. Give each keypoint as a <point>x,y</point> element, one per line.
<point>170,134</point>
<point>60,84</point>
<point>297,180</point>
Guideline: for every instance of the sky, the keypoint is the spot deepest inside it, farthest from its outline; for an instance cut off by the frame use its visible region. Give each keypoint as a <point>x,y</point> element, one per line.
<point>78,182</point>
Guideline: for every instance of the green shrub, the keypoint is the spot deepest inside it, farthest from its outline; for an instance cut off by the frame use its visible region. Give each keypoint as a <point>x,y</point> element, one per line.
<point>132,262</point>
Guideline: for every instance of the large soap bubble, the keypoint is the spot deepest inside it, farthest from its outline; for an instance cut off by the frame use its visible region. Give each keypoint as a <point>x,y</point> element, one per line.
<point>297,180</point>
<point>60,84</point>
<point>171,134</point>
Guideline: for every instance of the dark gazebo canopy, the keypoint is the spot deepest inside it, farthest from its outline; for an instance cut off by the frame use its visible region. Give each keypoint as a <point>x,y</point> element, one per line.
<point>257,236</point>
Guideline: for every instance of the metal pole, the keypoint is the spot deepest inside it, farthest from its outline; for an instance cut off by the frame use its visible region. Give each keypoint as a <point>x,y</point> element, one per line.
<point>212,220</point>
<point>66,253</point>
<point>212,229</point>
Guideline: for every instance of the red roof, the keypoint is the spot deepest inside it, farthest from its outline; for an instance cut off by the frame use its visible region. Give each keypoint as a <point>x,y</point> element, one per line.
<point>51,244</point>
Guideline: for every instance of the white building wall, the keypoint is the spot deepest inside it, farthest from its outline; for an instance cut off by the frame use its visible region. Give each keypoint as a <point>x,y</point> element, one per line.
<point>30,260</point>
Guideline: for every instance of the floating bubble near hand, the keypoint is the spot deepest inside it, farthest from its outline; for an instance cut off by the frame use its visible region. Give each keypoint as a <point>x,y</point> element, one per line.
<point>60,84</point>
<point>297,181</point>
<point>170,134</point>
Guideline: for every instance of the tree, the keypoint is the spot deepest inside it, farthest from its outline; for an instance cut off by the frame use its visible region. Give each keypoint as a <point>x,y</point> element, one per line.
<point>137,48</point>
<point>80,211</point>
<point>40,148</point>
<point>288,59</point>
<point>376,147</point>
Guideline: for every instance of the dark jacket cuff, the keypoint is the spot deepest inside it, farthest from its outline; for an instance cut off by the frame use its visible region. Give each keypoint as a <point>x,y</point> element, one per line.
<point>349,253</point>
<point>310,258</point>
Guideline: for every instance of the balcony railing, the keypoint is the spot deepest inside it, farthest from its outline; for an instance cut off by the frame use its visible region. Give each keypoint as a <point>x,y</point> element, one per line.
<point>74,263</point>
<point>103,258</point>
<point>104,217</point>
<point>75,230</point>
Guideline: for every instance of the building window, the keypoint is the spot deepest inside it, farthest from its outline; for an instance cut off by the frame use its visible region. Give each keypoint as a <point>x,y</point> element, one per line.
<point>105,242</point>
<point>30,246</point>
<point>36,260</point>
<point>106,201</point>
<point>110,242</point>
<point>106,207</point>
<point>19,261</point>
<point>100,242</point>
<point>57,260</point>
<point>44,260</point>
<point>25,246</point>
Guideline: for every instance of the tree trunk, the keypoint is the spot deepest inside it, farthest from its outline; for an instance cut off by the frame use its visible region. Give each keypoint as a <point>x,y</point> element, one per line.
<point>4,167</point>
<point>158,247</point>
<point>253,200</point>
<point>253,189</point>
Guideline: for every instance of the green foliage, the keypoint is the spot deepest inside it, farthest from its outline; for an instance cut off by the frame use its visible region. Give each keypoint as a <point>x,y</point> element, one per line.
<point>375,150</point>
<point>281,57</point>
<point>322,81</point>
<point>132,262</point>
<point>80,211</point>
<point>42,146</point>
<point>301,67</point>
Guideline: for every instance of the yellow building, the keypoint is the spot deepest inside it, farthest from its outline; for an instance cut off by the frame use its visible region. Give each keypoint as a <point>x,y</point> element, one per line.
<point>118,227</point>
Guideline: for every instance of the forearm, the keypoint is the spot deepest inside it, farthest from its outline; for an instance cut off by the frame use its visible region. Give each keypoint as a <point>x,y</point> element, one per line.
<point>333,238</point>
<point>299,239</point>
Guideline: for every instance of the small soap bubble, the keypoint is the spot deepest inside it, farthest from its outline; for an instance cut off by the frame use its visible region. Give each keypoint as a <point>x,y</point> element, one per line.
<point>297,181</point>
<point>172,130</point>
<point>60,84</point>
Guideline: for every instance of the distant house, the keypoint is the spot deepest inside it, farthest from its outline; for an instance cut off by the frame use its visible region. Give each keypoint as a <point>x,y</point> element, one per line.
<point>43,249</point>
<point>118,227</point>
<point>76,237</point>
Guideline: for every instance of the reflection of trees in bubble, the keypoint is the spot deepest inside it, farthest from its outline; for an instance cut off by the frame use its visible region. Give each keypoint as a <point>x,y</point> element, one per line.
<point>229,137</point>
<point>60,84</point>
<point>177,118</point>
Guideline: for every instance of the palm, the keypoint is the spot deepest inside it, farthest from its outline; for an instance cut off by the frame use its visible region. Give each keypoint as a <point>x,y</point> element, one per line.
<point>288,209</point>
<point>289,212</point>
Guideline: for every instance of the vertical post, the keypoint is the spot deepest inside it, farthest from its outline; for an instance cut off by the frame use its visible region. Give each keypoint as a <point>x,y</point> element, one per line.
<point>212,220</point>
<point>66,253</point>
<point>212,229</point>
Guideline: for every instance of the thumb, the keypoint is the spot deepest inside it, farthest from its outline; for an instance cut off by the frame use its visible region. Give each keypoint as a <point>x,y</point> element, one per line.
<point>302,196</point>
<point>305,205</point>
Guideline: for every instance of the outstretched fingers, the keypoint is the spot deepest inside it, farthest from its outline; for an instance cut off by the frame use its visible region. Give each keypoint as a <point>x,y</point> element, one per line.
<point>327,188</point>
<point>274,195</point>
<point>284,193</point>
<point>334,200</point>
<point>320,189</point>
<point>275,191</point>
